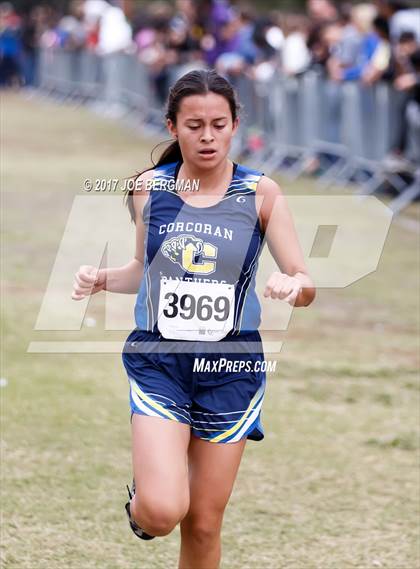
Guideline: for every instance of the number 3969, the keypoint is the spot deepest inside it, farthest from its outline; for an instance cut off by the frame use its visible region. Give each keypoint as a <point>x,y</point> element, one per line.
<point>204,307</point>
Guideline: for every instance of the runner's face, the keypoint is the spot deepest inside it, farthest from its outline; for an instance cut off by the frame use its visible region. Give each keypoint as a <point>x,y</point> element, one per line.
<point>204,128</point>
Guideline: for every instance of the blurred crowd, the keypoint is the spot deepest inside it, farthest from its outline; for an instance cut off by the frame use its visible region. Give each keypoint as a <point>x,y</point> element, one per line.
<point>363,42</point>
<point>347,42</point>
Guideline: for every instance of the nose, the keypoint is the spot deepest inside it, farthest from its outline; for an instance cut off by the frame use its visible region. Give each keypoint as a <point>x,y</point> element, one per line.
<point>207,135</point>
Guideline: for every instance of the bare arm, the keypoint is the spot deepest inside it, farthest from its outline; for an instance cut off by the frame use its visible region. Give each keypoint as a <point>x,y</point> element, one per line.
<point>293,282</point>
<point>125,279</point>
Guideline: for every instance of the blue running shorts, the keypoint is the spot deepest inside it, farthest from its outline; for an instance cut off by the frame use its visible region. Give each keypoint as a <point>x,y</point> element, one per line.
<point>218,394</point>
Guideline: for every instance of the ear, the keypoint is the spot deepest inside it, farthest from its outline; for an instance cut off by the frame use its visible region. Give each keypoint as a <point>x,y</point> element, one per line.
<point>235,126</point>
<point>171,128</point>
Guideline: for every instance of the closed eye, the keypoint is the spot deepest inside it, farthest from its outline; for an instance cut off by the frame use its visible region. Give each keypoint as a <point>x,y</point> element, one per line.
<point>218,126</point>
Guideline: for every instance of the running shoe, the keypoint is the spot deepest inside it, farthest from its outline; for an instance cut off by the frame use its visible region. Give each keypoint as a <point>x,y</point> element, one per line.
<point>135,528</point>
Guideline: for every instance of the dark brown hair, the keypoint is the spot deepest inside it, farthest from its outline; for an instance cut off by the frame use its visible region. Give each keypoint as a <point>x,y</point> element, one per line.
<point>197,82</point>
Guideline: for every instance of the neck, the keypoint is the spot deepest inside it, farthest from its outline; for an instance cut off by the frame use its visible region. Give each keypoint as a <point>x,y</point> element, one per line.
<point>209,179</point>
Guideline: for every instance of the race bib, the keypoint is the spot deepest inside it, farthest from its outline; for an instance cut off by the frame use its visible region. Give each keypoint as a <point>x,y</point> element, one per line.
<point>195,311</point>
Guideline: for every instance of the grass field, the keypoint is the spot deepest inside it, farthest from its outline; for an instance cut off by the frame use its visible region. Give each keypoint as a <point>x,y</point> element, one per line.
<point>334,485</point>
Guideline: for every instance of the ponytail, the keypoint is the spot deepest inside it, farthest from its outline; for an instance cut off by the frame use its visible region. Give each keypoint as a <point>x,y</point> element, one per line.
<point>171,154</point>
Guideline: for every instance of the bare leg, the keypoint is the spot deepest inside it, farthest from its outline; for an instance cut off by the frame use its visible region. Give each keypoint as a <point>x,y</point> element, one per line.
<point>213,469</point>
<point>160,468</point>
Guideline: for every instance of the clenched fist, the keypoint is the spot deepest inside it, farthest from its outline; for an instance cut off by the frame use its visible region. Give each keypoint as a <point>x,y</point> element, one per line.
<point>88,280</point>
<point>283,286</point>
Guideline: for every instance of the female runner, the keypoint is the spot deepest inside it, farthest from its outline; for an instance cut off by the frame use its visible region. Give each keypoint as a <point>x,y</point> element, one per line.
<point>194,272</point>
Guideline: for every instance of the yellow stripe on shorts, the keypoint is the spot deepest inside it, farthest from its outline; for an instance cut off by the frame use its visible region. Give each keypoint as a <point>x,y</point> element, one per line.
<point>152,402</point>
<point>242,420</point>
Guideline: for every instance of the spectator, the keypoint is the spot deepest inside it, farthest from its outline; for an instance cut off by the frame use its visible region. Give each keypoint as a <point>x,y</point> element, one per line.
<point>412,115</point>
<point>331,36</point>
<point>406,152</point>
<point>321,11</point>
<point>318,48</point>
<point>239,48</point>
<point>115,33</point>
<point>351,38</point>
<point>407,20</point>
<point>51,37</point>
<point>296,57</point>
<point>381,58</point>
<point>219,35</point>
<point>403,50</point>
<point>93,12</point>
<point>401,18</point>
<point>265,50</point>
<point>72,28</point>
<point>33,26</point>
<point>185,16</point>
<point>405,82</point>
<point>362,16</point>
<point>181,41</point>
<point>157,46</point>
<point>10,46</point>
<point>244,44</point>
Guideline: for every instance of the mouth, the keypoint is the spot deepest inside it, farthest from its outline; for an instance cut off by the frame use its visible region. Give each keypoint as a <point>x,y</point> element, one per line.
<point>207,153</point>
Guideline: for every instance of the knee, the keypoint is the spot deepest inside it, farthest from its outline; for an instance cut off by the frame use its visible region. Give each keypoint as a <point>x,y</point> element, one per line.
<point>158,518</point>
<point>203,529</point>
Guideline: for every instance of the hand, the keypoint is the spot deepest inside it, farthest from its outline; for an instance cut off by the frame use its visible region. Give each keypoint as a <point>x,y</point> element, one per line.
<point>87,281</point>
<point>368,76</point>
<point>283,286</point>
<point>405,82</point>
<point>336,75</point>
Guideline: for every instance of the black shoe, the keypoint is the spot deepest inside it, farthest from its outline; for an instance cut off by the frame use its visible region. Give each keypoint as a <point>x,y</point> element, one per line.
<point>135,528</point>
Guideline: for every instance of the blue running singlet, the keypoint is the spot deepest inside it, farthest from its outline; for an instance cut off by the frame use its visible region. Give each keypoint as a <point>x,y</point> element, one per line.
<point>200,262</point>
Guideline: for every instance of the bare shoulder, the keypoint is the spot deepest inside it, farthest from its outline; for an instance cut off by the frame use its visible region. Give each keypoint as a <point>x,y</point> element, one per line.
<point>140,182</point>
<point>267,187</point>
<point>272,198</point>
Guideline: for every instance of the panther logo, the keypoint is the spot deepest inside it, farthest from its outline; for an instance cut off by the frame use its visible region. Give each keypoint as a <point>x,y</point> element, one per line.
<point>184,250</point>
